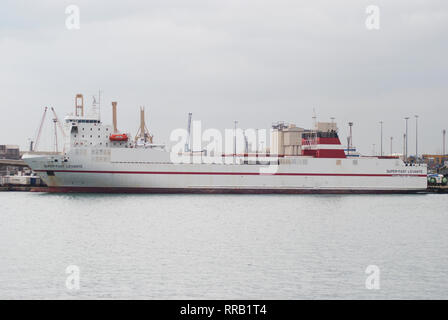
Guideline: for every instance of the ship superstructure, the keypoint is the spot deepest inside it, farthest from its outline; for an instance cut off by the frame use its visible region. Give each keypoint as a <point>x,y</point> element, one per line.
<point>100,158</point>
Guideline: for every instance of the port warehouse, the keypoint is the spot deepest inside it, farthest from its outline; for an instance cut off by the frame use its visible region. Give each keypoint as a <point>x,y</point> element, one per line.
<point>9,152</point>
<point>9,158</point>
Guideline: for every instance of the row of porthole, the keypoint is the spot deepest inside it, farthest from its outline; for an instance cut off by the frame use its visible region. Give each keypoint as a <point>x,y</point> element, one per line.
<point>80,143</point>
<point>91,129</point>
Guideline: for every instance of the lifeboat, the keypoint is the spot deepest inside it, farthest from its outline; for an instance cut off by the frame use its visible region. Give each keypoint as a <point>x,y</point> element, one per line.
<point>119,137</point>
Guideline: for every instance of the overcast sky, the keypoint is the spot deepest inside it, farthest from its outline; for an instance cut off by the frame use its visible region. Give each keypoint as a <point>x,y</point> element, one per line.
<point>256,61</point>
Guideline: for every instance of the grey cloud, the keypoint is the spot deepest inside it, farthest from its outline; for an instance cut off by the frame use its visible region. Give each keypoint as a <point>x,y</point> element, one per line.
<point>256,61</point>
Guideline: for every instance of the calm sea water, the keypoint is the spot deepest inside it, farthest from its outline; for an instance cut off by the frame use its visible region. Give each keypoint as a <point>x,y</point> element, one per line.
<point>223,246</point>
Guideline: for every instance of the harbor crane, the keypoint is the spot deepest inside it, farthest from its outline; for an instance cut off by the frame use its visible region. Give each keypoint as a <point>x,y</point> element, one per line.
<point>57,124</point>
<point>36,142</point>
<point>58,121</point>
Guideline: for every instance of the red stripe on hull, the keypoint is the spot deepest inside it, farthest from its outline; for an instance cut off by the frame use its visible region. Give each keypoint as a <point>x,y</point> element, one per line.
<point>215,191</point>
<point>238,173</point>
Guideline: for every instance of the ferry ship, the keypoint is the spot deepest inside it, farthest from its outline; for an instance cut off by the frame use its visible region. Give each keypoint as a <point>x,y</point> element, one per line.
<point>100,158</point>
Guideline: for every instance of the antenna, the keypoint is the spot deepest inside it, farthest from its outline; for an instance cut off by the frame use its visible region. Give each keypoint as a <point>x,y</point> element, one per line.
<point>381,138</point>
<point>187,143</point>
<point>391,141</point>
<point>443,147</point>
<point>348,145</point>
<point>235,122</point>
<point>406,141</point>
<point>314,118</point>
<point>404,146</point>
<point>246,142</point>
<point>55,120</point>
<point>350,124</point>
<point>95,107</point>
<point>99,104</point>
<point>416,138</point>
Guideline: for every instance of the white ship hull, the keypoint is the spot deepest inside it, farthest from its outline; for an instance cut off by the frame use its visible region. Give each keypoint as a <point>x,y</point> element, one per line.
<point>149,171</point>
<point>99,158</point>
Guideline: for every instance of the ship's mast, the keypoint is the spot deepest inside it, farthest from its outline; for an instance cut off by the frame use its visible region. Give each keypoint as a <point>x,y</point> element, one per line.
<point>99,104</point>
<point>79,105</point>
<point>391,141</point>
<point>350,140</point>
<point>114,116</point>
<point>142,123</point>
<point>143,132</point>
<point>187,143</point>
<point>443,146</point>
<point>55,120</point>
<point>235,122</point>
<point>314,132</point>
